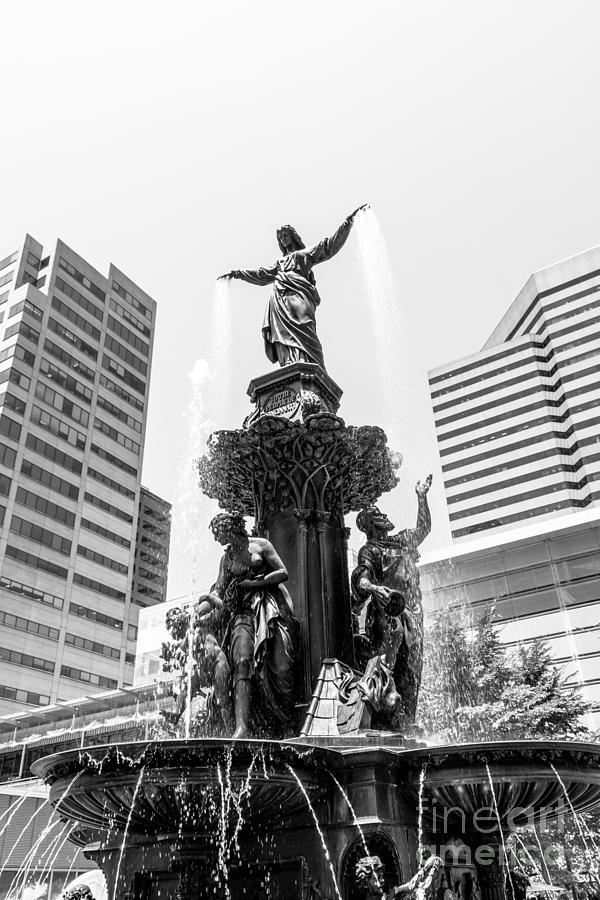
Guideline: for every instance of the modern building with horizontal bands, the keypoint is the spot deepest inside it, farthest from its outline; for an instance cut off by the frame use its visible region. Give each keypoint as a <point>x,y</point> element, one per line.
<point>518,422</point>
<point>75,362</point>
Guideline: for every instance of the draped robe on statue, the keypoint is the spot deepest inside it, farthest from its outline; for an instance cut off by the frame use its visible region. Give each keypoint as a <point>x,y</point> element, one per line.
<point>289,326</point>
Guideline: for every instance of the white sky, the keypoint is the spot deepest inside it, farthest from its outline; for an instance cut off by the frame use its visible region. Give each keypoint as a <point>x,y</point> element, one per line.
<point>173,138</point>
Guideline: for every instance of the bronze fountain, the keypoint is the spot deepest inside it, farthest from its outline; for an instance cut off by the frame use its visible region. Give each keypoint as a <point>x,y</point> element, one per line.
<point>304,775</point>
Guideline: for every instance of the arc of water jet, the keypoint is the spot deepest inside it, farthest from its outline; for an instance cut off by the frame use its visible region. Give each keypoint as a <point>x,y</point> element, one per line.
<point>127,824</point>
<point>50,852</point>
<point>26,864</point>
<point>532,860</point>
<point>71,867</point>
<point>574,814</point>
<point>357,824</point>
<point>243,794</point>
<point>223,830</point>
<point>497,811</point>
<point>539,843</point>
<point>353,814</point>
<point>22,832</point>
<point>319,832</point>
<point>420,816</point>
<point>54,854</point>
<point>12,810</point>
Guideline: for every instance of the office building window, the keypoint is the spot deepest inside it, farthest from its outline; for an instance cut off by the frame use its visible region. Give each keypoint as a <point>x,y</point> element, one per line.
<point>98,587</point>
<point>82,279</point>
<point>101,560</point>
<point>9,428</point>
<point>22,624</point>
<point>15,377</point>
<point>46,507</point>
<point>114,460</point>
<point>73,339</point>
<point>108,507</point>
<point>126,355</point>
<point>119,414</point>
<point>40,535</point>
<point>24,659</point>
<point>18,352</point>
<point>104,532</point>
<point>62,404</point>
<point>79,299</point>
<point>74,640</point>
<point>120,392</point>
<point>88,677</point>
<point>47,478</point>
<point>95,616</point>
<point>69,360</point>
<point>74,317</point>
<point>116,436</point>
<point>121,372</point>
<point>127,335</point>
<point>56,426</point>
<point>66,381</point>
<point>131,300</point>
<point>36,562</point>
<point>22,696</point>
<point>129,317</point>
<point>25,590</point>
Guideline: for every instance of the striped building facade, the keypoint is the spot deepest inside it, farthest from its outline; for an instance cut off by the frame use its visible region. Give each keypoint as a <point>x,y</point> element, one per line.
<point>517,422</point>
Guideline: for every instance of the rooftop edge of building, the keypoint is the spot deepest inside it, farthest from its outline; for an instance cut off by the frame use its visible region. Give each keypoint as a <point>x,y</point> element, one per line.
<point>562,524</point>
<point>558,276</point>
<point>549,279</point>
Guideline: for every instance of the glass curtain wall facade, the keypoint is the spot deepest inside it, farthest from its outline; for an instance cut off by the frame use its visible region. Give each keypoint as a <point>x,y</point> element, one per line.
<point>544,582</point>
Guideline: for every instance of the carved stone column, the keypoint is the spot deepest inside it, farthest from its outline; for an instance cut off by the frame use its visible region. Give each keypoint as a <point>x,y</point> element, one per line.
<point>298,475</point>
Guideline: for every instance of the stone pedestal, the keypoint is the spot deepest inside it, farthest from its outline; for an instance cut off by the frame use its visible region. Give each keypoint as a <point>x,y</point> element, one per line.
<point>297,468</point>
<point>294,392</point>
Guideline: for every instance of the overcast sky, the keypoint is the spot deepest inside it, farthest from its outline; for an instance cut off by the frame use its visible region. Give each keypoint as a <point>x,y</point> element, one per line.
<point>173,138</point>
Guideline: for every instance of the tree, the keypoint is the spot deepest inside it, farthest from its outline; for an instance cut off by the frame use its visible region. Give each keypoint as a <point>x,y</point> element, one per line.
<point>475,689</point>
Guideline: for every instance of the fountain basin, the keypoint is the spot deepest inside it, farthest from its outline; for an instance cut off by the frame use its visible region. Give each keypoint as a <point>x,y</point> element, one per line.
<point>180,786</point>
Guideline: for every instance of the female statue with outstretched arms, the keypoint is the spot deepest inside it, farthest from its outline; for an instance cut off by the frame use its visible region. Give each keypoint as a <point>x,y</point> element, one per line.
<point>289,325</point>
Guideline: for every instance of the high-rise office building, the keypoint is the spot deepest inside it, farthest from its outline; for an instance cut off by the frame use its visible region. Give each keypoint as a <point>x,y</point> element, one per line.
<point>75,360</point>
<point>152,549</point>
<point>517,429</point>
<point>517,423</point>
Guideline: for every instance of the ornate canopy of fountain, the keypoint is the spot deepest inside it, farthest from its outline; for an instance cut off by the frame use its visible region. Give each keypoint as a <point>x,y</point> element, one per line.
<point>298,469</point>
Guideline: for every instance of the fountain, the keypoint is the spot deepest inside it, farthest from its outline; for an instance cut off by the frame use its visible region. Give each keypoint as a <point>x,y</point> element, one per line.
<point>298,770</point>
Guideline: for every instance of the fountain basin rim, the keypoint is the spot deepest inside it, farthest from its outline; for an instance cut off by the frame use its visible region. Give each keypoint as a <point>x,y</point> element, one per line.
<point>304,750</point>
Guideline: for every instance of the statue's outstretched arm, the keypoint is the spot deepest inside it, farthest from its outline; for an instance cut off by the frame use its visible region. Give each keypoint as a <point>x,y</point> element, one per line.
<point>329,246</point>
<point>254,276</point>
<point>423,526</point>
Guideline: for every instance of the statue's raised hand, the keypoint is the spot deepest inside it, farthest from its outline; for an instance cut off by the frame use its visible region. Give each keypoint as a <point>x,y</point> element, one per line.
<point>232,274</point>
<point>353,215</point>
<point>422,487</point>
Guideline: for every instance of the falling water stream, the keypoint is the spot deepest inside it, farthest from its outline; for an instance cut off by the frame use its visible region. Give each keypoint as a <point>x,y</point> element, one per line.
<point>530,857</point>
<point>21,833</point>
<point>127,824</point>
<point>319,832</point>
<point>32,853</point>
<point>573,813</point>
<point>497,811</point>
<point>539,843</point>
<point>355,821</point>
<point>422,774</point>
<point>12,810</point>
